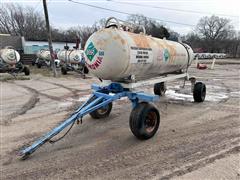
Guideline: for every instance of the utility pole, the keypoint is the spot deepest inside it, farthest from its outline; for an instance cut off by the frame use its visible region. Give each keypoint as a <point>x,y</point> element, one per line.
<point>53,66</point>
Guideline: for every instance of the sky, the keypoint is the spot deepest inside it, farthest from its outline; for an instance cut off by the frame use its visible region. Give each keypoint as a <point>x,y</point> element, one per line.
<point>64,14</point>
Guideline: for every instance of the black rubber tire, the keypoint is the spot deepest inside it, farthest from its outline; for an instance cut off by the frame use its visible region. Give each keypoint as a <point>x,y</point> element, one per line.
<point>33,63</point>
<point>56,64</point>
<point>26,71</point>
<point>39,65</point>
<point>64,70</point>
<point>85,70</point>
<point>159,89</point>
<point>138,124</point>
<point>97,114</point>
<point>199,92</point>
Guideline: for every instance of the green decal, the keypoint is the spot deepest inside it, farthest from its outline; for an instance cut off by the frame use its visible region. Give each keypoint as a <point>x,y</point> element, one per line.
<point>91,51</point>
<point>166,55</point>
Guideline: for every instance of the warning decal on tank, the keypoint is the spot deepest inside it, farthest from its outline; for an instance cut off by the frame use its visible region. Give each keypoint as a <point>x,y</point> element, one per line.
<point>166,55</point>
<point>94,56</point>
<point>141,55</point>
<point>91,51</point>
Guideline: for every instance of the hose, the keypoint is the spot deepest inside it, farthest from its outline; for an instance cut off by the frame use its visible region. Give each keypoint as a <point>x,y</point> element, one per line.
<point>54,141</point>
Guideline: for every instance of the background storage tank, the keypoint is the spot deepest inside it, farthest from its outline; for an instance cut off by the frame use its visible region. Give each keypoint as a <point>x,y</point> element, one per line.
<point>44,54</point>
<point>44,58</point>
<point>70,56</point>
<point>117,55</point>
<point>9,56</point>
<point>72,60</point>
<point>10,62</point>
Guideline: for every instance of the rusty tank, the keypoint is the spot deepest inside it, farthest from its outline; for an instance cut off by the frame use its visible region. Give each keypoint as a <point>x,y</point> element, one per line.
<point>114,53</point>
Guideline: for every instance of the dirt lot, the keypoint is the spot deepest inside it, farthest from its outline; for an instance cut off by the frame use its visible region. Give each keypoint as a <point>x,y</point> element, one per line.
<point>195,141</point>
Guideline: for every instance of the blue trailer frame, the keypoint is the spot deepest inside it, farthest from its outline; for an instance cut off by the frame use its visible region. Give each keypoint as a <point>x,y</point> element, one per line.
<point>100,98</point>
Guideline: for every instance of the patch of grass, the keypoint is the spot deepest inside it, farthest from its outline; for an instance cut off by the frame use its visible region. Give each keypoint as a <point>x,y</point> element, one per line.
<point>8,77</point>
<point>47,72</point>
<point>44,71</point>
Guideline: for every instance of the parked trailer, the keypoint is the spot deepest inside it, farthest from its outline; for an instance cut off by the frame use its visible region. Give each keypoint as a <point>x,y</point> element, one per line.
<point>10,62</point>
<point>72,60</point>
<point>44,59</point>
<point>145,118</point>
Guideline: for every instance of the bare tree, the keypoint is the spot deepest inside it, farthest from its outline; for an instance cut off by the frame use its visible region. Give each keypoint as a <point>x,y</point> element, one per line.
<point>213,30</point>
<point>100,24</point>
<point>216,35</point>
<point>34,27</point>
<point>7,22</point>
<point>152,27</point>
<point>17,20</point>
<point>83,32</point>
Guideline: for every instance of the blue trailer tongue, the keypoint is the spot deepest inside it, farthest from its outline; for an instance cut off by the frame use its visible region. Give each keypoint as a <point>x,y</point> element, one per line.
<point>100,99</point>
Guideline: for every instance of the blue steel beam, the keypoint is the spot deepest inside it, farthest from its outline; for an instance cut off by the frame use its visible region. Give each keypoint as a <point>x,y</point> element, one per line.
<point>58,129</point>
<point>96,101</point>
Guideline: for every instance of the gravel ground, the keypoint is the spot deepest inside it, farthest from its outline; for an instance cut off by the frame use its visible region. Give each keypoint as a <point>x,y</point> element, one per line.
<point>194,141</point>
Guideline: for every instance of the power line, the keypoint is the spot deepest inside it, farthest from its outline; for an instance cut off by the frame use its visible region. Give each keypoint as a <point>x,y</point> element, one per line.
<point>171,9</point>
<point>126,13</point>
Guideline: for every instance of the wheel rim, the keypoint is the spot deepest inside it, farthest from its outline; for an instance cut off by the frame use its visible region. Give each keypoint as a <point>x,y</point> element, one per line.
<point>102,111</point>
<point>151,121</point>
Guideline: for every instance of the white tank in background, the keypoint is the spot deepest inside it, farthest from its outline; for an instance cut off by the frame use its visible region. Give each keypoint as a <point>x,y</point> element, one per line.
<point>70,56</point>
<point>44,58</point>
<point>10,62</point>
<point>72,60</point>
<point>9,56</point>
<point>44,54</point>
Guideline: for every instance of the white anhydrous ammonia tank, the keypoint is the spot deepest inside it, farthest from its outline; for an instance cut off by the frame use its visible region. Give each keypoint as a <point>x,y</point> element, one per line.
<point>70,56</point>
<point>63,55</point>
<point>44,54</point>
<point>114,54</point>
<point>9,56</point>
